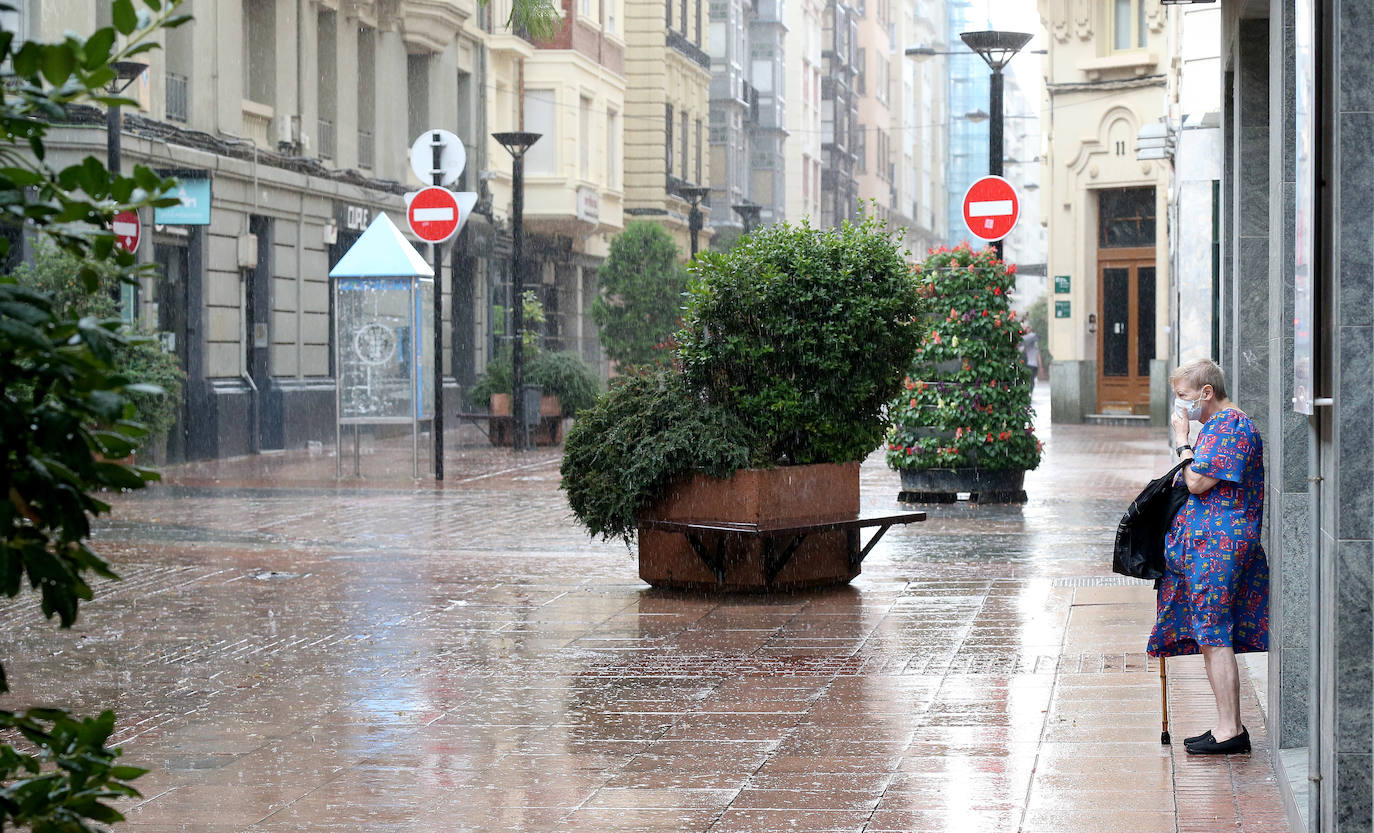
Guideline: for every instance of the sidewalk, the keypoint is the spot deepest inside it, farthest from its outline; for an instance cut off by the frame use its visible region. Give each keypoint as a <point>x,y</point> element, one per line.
<point>288,652</point>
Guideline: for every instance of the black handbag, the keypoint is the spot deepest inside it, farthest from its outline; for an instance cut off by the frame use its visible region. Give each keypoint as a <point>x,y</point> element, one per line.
<point>1139,550</point>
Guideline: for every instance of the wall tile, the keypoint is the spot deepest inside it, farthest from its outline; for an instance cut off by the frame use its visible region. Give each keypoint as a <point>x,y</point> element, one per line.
<point>1293,692</point>
<point>1353,783</point>
<point>1355,418</point>
<point>1356,253</point>
<point>1355,21</point>
<point>1354,649</point>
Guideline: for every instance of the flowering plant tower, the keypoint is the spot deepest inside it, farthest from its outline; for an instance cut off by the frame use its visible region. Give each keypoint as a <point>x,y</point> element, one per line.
<point>963,420</point>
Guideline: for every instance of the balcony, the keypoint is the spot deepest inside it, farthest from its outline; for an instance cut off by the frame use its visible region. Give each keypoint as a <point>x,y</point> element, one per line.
<point>257,121</point>
<point>325,134</point>
<point>178,97</point>
<point>365,149</point>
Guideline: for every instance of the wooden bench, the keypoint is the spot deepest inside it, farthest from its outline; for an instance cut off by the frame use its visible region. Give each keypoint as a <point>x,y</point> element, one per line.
<point>780,541</point>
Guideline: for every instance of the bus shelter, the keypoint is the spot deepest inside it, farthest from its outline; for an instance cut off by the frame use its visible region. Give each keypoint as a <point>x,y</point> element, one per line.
<point>383,304</point>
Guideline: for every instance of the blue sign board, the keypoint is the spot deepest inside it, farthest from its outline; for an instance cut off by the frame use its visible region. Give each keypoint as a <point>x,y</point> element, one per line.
<point>194,209</point>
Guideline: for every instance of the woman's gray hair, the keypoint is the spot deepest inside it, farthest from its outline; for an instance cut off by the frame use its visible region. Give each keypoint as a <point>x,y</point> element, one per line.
<point>1201,372</point>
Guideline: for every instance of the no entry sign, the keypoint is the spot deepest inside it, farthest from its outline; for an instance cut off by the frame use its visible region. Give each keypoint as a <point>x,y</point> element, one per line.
<point>433,214</point>
<point>991,208</point>
<point>127,231</point>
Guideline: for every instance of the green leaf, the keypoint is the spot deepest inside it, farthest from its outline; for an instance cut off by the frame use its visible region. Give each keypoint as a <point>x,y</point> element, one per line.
<point>59,61</point>
<point>125,17</point>
<point>98,46</point>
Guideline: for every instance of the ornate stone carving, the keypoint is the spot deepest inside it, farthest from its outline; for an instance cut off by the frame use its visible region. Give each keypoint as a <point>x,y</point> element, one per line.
<point>1058,21</point>
<point>1156,15</point>
<point>1083,19</point>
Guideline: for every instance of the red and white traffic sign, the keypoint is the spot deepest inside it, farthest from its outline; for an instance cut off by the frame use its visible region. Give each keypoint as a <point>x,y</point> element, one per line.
<point>127,230</point>
<point>433,214</point>
<point>991,208</point>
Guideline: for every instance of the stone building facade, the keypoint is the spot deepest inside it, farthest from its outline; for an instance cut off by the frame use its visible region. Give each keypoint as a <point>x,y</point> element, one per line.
<point>292,122</point>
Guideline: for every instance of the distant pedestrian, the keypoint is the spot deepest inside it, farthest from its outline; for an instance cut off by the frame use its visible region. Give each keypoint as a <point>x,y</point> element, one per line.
<point>1030,349</point>
<point>1214,597</point>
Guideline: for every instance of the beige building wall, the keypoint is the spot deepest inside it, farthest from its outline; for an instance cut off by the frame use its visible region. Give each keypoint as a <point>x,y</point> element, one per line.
<point>1105,79</point>
<point>803,146</point>
<point>918,112</point>
<point>876,150</point>
<point>668,80</point>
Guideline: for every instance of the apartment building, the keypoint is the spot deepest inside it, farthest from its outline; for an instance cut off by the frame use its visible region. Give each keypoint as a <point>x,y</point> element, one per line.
<point>840,128</point>
<point>804,154</point>
<point>916,104</point>
<point>667,108</point>
<point>288,124</point>
<point>874,165</point>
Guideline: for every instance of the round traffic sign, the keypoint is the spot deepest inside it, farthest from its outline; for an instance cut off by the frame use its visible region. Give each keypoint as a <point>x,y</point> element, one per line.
<point>433,214</point>
<point>127,231</point>
<point>453,157</point>
<point>991,208</point>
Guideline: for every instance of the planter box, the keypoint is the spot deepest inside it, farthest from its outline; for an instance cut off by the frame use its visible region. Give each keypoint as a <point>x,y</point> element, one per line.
<point>763,497</point>
<point>501,425</point>
<point>945,485</point>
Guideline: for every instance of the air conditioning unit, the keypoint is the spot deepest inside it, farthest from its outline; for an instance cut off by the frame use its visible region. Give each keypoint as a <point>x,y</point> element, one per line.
<point>290,135</point>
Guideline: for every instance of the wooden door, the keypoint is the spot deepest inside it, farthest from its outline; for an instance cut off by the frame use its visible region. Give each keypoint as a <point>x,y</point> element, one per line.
<point>1126,329</point>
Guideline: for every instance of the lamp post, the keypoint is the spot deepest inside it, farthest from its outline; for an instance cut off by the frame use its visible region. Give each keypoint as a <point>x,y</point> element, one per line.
<point>517,143</point>
<point>996,49</point>
<point>126,72</point>
<point>748,213</point>
<point>694,194</point>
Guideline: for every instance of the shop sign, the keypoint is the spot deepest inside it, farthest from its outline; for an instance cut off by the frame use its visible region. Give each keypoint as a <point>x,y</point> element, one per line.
<point>352,218</point>
<point>193,191</point>
<point>588,205</point>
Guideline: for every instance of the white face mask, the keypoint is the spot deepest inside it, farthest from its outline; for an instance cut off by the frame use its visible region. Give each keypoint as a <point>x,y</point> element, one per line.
<point>1192,409</point>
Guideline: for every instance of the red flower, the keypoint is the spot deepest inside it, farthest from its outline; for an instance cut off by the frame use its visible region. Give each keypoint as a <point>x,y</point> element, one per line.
<point>1004,436</point>
<point>989,438</point>
<point>913,403</point>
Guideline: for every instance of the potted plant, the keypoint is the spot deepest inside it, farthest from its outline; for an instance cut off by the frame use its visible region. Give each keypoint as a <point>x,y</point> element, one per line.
<point>963,420</point>
<point>792,343</point>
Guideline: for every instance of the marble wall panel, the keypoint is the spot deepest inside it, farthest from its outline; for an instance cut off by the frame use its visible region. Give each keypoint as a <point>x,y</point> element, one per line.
<point>1354,648</point>
<point>1355,253</point>
<point>1355,429</point>
<point>1353,783</point>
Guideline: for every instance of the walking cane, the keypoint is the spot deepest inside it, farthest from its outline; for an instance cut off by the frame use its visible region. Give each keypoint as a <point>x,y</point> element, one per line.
<point>1164,701</point>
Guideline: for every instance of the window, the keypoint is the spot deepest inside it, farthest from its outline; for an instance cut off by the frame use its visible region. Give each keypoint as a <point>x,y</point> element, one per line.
<point>700,180</point>
<point>683,28</point>
<point>541,158</point>
<point>612,146</point>
<point>1126,217</point>
<point>1128,24</point>
<point>861,64</point>
<point>584,137</point>
<point>699,5</point>
<point>367,93</point>
<point>610,16</point>
<point>326,29</point>
<point>668,138</point>
<point>685,157</point>
<point>259,51</point>
<point>417,94</point>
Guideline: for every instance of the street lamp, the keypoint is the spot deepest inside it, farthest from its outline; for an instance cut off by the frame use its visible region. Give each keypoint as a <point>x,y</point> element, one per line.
<point>693,194</point>
<point>126,72</point>
<point>996,49</point>
<point>517,143</point>
<point>748,213</point>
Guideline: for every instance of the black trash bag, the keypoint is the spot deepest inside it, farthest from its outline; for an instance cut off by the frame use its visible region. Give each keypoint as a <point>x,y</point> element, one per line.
<point>1139,551</point>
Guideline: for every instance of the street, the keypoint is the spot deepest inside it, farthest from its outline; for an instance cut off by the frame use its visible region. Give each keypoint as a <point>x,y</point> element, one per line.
<point>291,653</point>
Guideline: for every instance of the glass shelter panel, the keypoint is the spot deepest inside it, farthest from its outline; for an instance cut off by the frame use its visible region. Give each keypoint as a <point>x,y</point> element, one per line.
<point>375,349</point>
<point>424,350</point>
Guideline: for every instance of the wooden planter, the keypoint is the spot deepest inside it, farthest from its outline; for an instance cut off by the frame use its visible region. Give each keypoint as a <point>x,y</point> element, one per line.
<point>945,485</point>
<point>501,425</point>
<point>758,497</point>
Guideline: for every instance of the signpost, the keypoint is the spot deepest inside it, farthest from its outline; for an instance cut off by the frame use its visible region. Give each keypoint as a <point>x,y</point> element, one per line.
<point>991,208</point>
<point>435,214</point>
<point>127,230</point>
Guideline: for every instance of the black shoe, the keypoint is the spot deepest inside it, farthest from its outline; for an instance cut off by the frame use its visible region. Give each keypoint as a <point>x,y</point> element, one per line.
<point>1207,735</point>
<point>1231,746</point>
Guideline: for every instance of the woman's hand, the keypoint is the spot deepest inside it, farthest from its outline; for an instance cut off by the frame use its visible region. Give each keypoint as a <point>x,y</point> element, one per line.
<point>1178,426</point>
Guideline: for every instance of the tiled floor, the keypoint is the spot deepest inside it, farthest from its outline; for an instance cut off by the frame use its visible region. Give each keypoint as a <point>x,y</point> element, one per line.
<point>292,653</point>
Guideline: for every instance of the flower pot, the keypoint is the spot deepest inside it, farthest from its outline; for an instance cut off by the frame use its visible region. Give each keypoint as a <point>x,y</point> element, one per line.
<point>501,425</point>
<point>762,497</point>
<point>945,485</point>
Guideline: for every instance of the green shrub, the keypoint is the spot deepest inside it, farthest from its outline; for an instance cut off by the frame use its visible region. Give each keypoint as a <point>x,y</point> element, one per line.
<point>966,400</point>
<point>639,305</point>
<point>140,358</point>
<point>560,373</point>
<point>804,335</point>
<point>641,434</point>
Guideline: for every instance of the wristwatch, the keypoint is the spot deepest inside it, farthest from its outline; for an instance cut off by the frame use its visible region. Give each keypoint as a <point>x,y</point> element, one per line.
<point>1179,451</point>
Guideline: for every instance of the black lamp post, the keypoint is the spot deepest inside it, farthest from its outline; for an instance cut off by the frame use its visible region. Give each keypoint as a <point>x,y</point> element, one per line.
<point>517,143</point>
<point>694,194</point>
<point>748,213</point>
<point>997,49</point>
<point>126,72</point>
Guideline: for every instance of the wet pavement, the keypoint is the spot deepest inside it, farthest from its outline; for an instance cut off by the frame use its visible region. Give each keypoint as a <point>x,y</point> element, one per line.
<point>288,652</point>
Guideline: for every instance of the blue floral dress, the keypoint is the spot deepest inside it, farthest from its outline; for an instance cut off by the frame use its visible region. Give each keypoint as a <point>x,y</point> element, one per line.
<point>1215,589</point>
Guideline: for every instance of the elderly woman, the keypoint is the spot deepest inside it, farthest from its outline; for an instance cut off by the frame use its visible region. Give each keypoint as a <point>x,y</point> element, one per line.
<point>1214,597</point>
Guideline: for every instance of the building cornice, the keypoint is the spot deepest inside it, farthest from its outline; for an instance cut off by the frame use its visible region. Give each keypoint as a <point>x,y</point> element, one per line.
<point>1110,84</point>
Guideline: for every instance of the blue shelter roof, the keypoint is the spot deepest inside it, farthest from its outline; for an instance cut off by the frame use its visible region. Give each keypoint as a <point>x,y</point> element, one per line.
<point>382,252</point>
